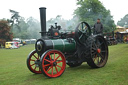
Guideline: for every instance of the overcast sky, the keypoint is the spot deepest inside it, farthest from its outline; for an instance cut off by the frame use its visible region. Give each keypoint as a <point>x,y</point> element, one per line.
<point>65,8</point>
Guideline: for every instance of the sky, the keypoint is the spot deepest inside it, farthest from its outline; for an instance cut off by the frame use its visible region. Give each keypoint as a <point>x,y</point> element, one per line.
<point>118,8</point>
<point>29,8</point>
<point>65,8</point>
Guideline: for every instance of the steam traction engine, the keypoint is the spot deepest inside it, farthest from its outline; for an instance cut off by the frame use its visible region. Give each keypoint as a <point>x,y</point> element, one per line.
<point>54,49</point>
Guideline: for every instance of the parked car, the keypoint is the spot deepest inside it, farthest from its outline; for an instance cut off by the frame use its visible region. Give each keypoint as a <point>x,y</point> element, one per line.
<point>11,45</point>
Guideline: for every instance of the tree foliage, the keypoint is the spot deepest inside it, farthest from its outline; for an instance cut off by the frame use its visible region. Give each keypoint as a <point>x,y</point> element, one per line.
<point>24,28</point>
<point>22,33</point>
<point>29,28</point>
<point>5,34</point>
<point>90,10</point>
<point>65,24</point>
<point>34,28</point>
<point>123,21</point>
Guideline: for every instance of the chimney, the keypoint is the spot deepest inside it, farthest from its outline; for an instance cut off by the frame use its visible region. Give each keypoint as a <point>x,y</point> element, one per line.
<point>43,22</point>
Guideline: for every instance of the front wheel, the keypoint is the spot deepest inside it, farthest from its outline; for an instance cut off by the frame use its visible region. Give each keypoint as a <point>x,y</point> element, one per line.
<point>53,63</point>
<point>33,62</point>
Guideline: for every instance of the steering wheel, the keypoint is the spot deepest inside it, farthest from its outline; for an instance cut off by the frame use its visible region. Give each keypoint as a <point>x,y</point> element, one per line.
<point>82,32</point>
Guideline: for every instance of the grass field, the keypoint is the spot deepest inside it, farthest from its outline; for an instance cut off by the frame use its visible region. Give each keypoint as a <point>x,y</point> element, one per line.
<point>13,70</point>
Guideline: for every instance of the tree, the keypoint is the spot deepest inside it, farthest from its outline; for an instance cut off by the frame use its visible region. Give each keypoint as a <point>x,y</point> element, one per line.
<point>29,28</point>
<point>15,19</point>
<point>34,28</point>
<point>23,32</point>
<point>59,20</point>
<point>65,24</point>
<point>90,10</point>
<point>5,34</point>
<point>123,21</point>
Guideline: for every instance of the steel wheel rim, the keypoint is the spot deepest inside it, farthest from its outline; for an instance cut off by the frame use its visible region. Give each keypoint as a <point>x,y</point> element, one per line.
<point>31,62</point>
<point>55,63</point>
<point>80,35</point>
<point>99,52</point>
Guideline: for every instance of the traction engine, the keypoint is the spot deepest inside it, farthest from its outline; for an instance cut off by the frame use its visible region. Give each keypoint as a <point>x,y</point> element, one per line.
<point>55,49</point>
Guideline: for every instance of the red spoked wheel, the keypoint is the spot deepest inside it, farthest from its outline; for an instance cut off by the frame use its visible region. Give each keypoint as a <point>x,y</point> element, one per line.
<point>33,61</point>
<point>53,63</point>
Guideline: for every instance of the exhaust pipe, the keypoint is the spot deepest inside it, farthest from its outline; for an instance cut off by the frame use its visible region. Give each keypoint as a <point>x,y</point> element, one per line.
<point>43,22</point>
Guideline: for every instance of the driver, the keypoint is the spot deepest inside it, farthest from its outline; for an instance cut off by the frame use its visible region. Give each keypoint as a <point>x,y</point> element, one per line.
<point>98,27</point>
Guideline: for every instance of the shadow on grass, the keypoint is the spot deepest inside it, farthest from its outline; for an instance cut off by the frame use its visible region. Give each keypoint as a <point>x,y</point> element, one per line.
<point>69,71</point>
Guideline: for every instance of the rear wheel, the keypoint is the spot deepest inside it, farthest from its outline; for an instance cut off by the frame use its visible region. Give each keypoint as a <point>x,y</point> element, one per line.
<point>33,62</point>
<point>98,52</point>
<point>55,63</point>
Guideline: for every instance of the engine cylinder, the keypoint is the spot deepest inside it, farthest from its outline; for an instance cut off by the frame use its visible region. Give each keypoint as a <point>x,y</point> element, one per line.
<point>63,45</point>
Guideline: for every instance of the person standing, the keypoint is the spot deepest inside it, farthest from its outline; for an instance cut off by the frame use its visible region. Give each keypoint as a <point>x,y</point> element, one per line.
<point>98,27</point>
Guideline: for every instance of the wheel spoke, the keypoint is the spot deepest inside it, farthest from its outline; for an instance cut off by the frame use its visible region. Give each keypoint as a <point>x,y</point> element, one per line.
<point>56,69</point>
<point>49,68</point>
<point>46,65</point>
<point>98,60</point>
<point>59,66</point>
<point>35,68</point>
<point>97,41</point>
<point>35,56</point>
<point>101,56</point>
<point>54,56</point>
<point>32,60</point>
<point>39,69</point>
<point>93,53</point>
<point>33,64</point>
<point>101,43</point>
<point>103,51</point>
<point>80,36</point>
<point>93,48</point>
<point>57,57</point>
<point>52,70</point>
<point>38,57</point>
<point>50,57</point>
<point>82,26</point>
<point>59,61</point>
<point>47,60</point>
<point>95,58</point>
<point>95,45</point>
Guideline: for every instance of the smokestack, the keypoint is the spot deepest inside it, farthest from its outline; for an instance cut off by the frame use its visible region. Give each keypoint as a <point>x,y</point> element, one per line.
<point>43,22</point>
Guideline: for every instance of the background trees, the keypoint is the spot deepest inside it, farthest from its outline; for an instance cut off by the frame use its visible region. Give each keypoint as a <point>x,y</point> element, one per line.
<point>65,24</point>
<point>90,10</point>
<point>29,28</point>
<point>123,21</point>
<point>87,10</point>
<point>5,34</point>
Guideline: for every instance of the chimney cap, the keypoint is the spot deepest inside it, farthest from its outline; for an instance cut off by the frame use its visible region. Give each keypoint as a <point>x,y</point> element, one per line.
<point>42,8</point>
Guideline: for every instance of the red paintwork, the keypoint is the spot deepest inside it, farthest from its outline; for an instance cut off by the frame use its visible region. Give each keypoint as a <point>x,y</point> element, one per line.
<point>50,69</point>
<point>34,68</point>
<point>98,50</point>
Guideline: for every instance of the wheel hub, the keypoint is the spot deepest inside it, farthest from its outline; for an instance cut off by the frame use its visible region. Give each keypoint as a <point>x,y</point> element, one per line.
<point>54,63</point>
<point>98,50</point>
<point>37,63</point>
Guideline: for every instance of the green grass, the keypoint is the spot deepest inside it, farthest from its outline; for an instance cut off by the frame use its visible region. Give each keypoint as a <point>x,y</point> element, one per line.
<point>13,70</point>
